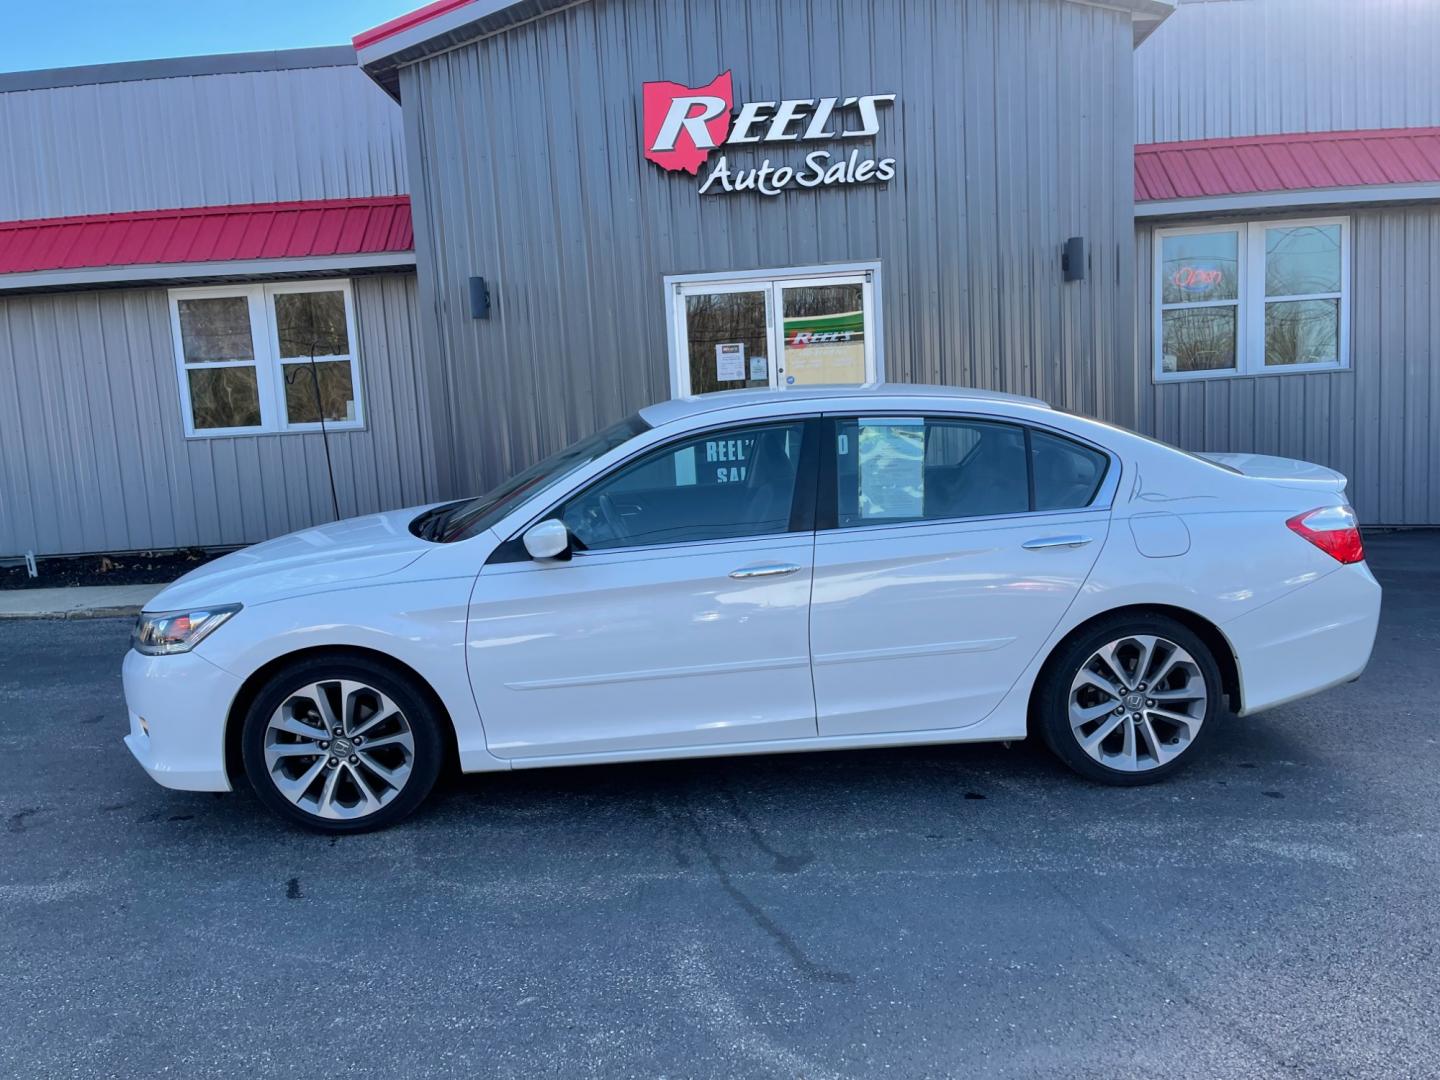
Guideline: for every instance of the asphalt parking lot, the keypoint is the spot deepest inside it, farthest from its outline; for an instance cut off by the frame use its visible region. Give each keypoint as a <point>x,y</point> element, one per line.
<point>961,911</point>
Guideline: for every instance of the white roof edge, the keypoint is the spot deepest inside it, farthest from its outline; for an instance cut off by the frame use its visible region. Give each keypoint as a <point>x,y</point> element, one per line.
<point>423,31</point>
<point>383,59</point>
<point>1145,14</point>
<point>40,280</point>
<point>664,412</point>
<point>1278,200</point>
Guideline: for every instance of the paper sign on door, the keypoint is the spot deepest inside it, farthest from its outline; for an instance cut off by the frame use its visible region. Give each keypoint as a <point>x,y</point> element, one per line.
<point>730,361</point>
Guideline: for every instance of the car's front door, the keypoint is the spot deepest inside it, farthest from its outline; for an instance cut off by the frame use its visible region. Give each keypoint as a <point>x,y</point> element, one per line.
<point>681,619</point>
<point>949,550</point>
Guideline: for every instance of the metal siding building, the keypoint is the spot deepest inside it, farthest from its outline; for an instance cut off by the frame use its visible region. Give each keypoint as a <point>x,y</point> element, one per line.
<point>1228,68</point>
<point>1377,422</point>
<point>1011,128</point>
<point>1220,71</point>
<point>144,207</point>
<point>276,127</point>
<point>93,449</point>
<point>92,438</point>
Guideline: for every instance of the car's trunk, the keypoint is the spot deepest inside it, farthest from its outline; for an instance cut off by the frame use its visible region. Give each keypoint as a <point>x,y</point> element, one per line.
<point>1285,471</point>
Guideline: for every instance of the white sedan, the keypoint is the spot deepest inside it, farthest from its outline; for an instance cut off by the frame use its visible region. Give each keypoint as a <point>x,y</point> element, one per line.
<point>760,572</point>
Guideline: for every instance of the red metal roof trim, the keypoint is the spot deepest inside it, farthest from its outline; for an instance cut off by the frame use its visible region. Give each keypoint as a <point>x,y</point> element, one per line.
<point>1329,159</point>
<point>200,234</point>
<point>405,22</point>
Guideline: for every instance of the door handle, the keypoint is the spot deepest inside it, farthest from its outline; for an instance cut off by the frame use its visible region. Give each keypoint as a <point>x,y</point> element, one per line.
<point>765,570</point>
<point>1043,542</point>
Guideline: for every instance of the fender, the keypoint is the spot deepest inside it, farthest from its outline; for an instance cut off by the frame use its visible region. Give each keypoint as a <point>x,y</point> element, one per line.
<point>420,623</point>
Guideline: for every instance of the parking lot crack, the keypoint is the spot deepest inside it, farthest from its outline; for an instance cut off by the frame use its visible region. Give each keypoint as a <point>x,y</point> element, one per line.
<point>1181,992</point>
<point>784,864</point>
<point>809,968</point>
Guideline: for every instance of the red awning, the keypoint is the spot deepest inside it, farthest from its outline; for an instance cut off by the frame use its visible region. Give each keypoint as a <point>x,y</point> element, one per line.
<point>204,234</point>
<point>1264,163</point>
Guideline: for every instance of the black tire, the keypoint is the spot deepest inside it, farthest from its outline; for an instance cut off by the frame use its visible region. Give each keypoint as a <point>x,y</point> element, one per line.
<point>1052,700</point>
<point>423,717</point>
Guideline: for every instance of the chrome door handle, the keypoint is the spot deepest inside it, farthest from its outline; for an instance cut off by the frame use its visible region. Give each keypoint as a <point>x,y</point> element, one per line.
<point>1040,543</point>
<point>765,570</point>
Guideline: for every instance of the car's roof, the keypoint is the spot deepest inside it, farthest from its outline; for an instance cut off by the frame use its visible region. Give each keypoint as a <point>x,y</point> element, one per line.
<point>665,412</point>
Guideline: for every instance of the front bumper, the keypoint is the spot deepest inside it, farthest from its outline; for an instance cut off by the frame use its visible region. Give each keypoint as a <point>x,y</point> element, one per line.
<point>1311,639</point>
<point>184,701</point>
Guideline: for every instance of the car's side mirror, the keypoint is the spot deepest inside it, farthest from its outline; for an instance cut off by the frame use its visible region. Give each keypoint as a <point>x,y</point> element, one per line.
<point>548,540</point>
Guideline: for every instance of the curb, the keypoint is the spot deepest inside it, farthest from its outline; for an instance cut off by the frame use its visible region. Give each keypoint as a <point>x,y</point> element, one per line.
<point>128,611</point>
<point>78,601</point>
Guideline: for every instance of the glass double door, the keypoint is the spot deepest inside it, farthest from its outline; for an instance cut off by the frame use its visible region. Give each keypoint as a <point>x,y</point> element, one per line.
<point>774,332</point>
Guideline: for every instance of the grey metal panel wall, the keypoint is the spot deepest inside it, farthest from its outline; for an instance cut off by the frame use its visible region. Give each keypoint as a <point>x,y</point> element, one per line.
<point>262,136</point>
<point>1379,422</point>
<point>1264,67</point>
<point>92,450</point>
<point>1012,130</point>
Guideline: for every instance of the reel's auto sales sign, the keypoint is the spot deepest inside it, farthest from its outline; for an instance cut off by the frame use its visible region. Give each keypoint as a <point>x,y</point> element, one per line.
<point>683,124</point>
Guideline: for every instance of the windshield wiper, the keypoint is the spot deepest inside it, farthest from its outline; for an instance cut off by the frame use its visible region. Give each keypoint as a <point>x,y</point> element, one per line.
<point>431,524</point>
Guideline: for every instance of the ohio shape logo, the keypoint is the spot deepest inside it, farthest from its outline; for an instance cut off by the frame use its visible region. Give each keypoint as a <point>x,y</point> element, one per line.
<point>682,124</point>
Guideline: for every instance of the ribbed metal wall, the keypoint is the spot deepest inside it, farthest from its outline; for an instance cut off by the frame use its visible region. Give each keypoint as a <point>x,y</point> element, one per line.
<point>264,136</point>
<point>1262,67</point>
<point>93,455</point>
<point>1012,131</point>
<point>1379,422</point>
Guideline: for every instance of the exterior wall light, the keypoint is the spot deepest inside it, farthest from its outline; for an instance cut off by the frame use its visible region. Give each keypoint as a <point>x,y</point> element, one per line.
<point>479,298</point>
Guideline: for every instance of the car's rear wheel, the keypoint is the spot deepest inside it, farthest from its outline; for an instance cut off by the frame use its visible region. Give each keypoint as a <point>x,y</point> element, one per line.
<point>1128,701</point>
<point>342,744</point>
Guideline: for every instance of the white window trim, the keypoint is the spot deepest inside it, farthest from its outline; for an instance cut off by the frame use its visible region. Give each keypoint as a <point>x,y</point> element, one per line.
<point>866,273</point>
<point>269,365</point>
<point>1250,302</point>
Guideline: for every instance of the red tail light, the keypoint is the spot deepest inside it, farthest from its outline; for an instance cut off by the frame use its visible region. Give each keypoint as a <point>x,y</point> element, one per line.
<point>1334,530</point>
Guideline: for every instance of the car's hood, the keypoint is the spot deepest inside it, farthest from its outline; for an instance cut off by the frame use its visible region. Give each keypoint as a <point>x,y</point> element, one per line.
<point>312,560</point>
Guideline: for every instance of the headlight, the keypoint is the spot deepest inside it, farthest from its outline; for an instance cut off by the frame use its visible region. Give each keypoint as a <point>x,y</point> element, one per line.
<point>160,632</point>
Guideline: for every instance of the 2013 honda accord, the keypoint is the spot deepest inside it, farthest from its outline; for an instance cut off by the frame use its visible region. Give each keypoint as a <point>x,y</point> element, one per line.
<point>761,572</point>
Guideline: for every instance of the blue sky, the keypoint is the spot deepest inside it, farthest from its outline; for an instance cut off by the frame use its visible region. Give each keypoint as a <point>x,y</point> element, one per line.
<point>64,33</point>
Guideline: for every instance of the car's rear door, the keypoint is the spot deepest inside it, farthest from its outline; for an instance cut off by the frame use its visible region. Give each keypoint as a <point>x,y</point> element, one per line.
<point>681,621</point>
<point>948,549</point>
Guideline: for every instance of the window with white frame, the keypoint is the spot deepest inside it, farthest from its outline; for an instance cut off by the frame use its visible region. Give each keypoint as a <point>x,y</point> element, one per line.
<point>266,358</point>
<point>1252,298</point>
<point>781,328</point>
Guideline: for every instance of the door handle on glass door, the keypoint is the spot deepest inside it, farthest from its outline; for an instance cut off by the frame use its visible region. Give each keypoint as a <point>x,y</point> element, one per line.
<point>1040,543</point>
<point>765,570</point>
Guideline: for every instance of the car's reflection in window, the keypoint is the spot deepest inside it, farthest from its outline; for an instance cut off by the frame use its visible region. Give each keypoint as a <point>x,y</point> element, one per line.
<point>720,485</point>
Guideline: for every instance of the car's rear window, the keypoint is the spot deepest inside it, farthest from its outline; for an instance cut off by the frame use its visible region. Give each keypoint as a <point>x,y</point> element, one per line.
<point>1161,442</point>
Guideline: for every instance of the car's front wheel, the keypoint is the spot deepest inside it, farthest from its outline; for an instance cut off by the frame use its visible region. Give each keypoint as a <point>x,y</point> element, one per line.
<point>342,744</point>
<point>1128,701</point>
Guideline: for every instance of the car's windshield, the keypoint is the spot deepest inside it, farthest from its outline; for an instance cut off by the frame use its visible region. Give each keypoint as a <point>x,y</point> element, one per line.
<point>464,519</point>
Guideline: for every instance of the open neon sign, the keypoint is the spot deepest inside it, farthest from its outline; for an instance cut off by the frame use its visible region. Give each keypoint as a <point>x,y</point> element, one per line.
<point>1197,278</point>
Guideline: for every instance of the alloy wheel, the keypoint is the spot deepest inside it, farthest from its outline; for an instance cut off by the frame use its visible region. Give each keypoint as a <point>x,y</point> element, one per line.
<point>339,749</point>
<point>1137,703</point>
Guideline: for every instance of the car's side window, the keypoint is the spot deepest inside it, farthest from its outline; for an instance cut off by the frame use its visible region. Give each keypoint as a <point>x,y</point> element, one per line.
<point>1067,475</point>
<point>917,469</point>
<point>899,469</point>
<point>719,485</point>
